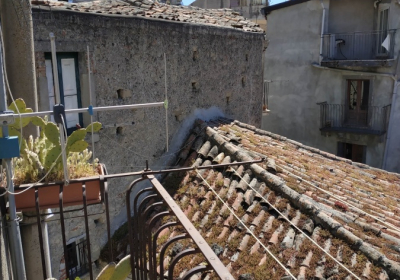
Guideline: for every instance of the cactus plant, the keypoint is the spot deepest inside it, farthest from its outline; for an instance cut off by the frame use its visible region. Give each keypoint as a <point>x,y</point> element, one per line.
<point>116,272</point>
<point>40,155</point>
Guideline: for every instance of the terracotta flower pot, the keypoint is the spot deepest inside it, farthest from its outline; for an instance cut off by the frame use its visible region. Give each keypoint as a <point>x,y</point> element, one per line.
<point>49,194</point>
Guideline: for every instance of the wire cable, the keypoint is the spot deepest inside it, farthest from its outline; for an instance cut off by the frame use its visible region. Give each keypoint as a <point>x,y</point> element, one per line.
<point>8,85</point>
<point>240,221</point>
<point>293,225</point>
<point>335,196</point>
<point>339,199</point>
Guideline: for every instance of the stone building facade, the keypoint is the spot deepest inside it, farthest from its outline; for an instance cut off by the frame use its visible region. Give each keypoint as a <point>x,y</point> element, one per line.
<point>320,52</point>
<point>210,70</point>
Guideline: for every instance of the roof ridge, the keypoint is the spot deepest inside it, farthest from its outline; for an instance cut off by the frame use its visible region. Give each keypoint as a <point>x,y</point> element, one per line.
<point>311,149</point>
<point>307,205</point>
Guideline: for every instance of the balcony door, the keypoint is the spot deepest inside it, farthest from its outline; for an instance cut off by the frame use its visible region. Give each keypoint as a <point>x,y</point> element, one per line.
<point>357,99</point>
<point>383,40</point>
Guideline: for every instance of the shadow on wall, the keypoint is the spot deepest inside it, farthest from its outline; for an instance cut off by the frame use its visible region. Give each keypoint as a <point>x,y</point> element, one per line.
<point>168,159</point>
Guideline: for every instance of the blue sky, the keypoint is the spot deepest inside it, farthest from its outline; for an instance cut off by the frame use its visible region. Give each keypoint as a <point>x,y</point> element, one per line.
<point>273,2</point>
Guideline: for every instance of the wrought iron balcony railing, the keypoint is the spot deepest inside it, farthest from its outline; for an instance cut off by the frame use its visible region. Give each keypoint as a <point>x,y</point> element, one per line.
<point>153,210</point>
<point>337,117</point>
<point>376,45</point>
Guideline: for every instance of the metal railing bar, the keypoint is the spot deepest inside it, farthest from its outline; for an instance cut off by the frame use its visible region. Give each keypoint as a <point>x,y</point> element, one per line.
<point>141,246</point>
<point>156,234</point>
<point>63,230</point>
<point>208,253</point>
<point>85,110</point>
<point>87,230</point>
<point>184,253</point>
<point>146,233</point>
<point>132,238</point>
<point>195,270</point>
<point>39,224</point>
<point>165,246</point>
<point>104,185</point>
<point>152,257</point>
<point>138,173</point>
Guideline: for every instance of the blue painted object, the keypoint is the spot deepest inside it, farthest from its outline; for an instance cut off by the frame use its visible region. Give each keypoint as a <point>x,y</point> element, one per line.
<point>9,147</point>
<point>90,110</point>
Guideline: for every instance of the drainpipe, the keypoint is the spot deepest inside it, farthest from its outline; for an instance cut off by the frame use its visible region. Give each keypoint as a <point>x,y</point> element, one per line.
<point>46,243</point>
<point>388,134</point>
<point>322,31</point>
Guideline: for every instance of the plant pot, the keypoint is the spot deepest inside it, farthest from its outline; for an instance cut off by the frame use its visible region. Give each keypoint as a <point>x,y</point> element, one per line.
<point>49,194</point>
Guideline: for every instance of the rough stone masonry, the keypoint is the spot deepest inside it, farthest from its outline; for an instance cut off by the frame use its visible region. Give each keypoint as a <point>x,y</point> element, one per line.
<point>207,66</point>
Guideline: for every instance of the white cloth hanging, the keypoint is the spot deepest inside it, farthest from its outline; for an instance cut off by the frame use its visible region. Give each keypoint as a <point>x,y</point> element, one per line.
<point>386,43</point>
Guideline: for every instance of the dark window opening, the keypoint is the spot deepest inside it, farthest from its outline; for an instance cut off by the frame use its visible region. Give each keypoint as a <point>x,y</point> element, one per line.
<point>357,102</point>
<point>77,259</point>
<point>69,85</point>
<point>354,152</point>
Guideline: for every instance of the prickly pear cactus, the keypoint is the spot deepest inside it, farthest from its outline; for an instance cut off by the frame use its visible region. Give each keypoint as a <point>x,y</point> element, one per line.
<point>107,272</point>
<point>95,125</point>
<point>76,136</point>
<point>78,146</point>
<point>52,133</point>
<point>52,156</point>
<point>122,269</point>
<point>19,106</point>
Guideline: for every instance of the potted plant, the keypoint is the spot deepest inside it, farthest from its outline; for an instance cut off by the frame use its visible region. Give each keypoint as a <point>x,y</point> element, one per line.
<point>40,161</point>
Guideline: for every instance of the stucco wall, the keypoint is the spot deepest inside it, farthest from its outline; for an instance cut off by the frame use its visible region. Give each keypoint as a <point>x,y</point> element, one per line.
<point>351,16</point>
<point>296,86</point>
<point>206,67</point>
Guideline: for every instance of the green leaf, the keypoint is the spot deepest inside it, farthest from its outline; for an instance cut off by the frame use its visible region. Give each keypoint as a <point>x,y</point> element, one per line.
<point>96,127</point>
<point>38,121</point>
<point>52,156</point>
<point>52,133</point>
<point>77,135</point>
<point>78,146</point>
<point>107,272</point>
<point>122,269</point>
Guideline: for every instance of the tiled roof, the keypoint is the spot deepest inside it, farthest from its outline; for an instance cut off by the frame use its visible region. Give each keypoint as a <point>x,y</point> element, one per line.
<point>349,209</point>
<point>147,8</point>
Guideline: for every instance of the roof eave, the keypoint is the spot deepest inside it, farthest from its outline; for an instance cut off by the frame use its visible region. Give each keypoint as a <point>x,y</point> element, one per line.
<point>267,10</point>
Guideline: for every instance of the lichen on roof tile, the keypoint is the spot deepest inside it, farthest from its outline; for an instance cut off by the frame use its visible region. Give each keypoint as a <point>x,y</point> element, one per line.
<point>350,210</point>
<point>225,18</point>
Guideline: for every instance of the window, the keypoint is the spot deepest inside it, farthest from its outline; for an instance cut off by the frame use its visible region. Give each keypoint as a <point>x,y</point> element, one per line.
<point>265,95</point>
<point>68,76</point>
<point>356,153</point>
<point>383,39</point>
<point>357,99</point>
<point>77,258</point>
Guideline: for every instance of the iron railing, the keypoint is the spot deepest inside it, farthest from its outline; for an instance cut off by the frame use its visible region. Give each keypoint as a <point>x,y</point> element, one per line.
<point>150,206</point>
<point>337,117</point>
<point>376,45</point>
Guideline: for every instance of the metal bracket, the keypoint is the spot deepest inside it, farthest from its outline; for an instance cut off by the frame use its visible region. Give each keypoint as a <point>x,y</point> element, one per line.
<point>7,117</point>
<point>20,217</point>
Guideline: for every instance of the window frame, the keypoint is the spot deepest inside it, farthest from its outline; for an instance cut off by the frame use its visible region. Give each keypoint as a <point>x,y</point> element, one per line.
<point>59,57</point>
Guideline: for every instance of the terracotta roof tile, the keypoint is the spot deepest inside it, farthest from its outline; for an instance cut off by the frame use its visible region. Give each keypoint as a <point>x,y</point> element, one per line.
<point>349,209</point>
<point>225,18</point>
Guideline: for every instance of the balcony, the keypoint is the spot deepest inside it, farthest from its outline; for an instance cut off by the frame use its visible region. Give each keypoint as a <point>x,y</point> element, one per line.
<point>150,212</point>
<point>368,49</point>
<point>338,118</point>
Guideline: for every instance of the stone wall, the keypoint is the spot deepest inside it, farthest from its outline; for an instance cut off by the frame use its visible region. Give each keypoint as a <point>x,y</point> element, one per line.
<point>207,67</point>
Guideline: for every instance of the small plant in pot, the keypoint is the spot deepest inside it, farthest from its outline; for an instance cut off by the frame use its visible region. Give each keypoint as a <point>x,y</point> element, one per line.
<point>41,161</point>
